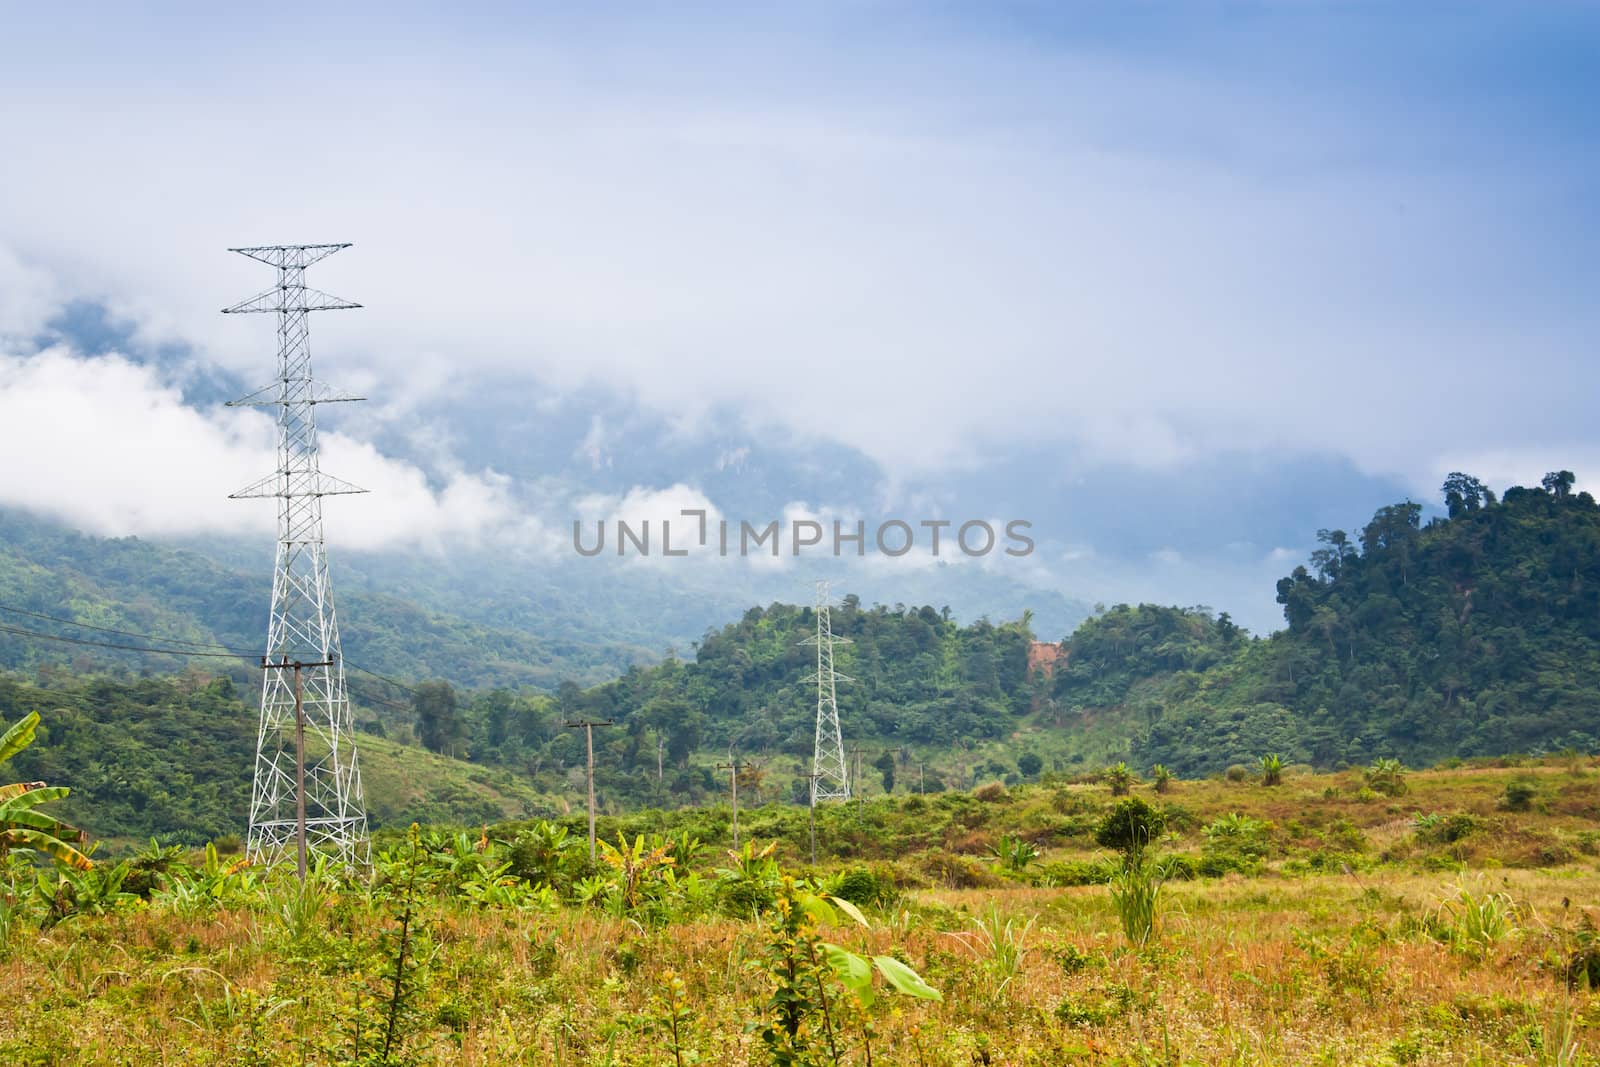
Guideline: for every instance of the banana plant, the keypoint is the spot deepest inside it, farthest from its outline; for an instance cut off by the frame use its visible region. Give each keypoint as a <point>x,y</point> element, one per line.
<point>636,865</point>
<point>22,827</point>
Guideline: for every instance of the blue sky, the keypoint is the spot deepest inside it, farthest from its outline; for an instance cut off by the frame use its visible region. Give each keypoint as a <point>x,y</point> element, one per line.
<point>1180,283</point>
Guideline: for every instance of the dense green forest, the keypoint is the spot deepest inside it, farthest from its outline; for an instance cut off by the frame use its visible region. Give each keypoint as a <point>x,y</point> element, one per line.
<point>920,683</point>
<point>1476,634</point>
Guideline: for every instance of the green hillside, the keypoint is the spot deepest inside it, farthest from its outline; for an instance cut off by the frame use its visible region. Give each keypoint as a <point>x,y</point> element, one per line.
<point>171,757</point>
<point>184,597</point>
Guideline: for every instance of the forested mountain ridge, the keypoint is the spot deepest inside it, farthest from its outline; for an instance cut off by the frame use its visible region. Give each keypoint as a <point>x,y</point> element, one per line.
<point>1476,634</point>
<point>179,597</point>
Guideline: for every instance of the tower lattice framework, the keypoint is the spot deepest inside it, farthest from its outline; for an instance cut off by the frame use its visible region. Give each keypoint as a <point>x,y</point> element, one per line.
<point>830,776</point>
<point>302,627</point>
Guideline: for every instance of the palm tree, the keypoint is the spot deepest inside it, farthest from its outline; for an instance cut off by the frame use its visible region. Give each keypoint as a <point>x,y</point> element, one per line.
<point>1387,776</point>
<point>21,826</point>
<point>1162,777</point>
<point>1121,778</point>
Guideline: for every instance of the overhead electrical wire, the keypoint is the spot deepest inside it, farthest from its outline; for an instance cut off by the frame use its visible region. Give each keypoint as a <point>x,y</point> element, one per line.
<point>209,650</point>
<point>124,648</point>
<point>124,633</point>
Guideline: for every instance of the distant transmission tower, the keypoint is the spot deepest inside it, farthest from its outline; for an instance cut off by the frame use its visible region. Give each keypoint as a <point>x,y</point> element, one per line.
<point>307,789</point>
<point>829,778</point>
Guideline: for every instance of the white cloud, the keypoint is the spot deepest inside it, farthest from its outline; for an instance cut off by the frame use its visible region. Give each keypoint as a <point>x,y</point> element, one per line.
<point>650,515</point>
<point>105,444</point>
<point>29,296</point>
<point>593,447</point>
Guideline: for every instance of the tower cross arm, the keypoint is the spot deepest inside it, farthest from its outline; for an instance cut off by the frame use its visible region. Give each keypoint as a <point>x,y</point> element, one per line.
<point>290,255</point>
<point>290,298</point>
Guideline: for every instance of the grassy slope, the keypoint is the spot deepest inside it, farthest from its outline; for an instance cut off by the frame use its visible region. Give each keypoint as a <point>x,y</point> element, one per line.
<point>406,784</point>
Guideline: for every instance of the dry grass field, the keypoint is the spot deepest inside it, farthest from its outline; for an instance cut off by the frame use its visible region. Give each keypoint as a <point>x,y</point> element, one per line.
<point>1362,935</point>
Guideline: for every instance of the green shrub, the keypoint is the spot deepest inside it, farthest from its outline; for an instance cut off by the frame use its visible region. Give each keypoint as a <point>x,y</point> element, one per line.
<point>1216,864</point>
<point>1071,802</point>
<point>958,872</point>
<point>1238,833</point>
<point>1444,829</point>
<point>1074,960</point>
<point>864,885</point>
<point>1173,867</point>
<point>991,793</point>
<point>1520,794</point>
<point>1096,1007</point>
<point>1130,826</point>
<point>1474,922</point>
<point>1583,963</point>
<point>1063,873</point>
<point>1238,772</point>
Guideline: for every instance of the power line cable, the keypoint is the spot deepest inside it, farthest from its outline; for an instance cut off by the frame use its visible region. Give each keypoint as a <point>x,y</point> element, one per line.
<point>222,651</point>
<point>380,677</point>
<point>125,633</point>
<point>123,648</point>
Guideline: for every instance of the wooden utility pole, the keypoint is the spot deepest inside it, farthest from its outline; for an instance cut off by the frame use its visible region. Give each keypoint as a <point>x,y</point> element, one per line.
<point>299,754</point>
<point>733,782</point>
<point>587,726</point>
<point>811,814</point>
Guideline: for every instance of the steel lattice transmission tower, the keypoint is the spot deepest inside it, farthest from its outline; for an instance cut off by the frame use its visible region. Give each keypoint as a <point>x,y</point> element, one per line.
<point>302,628</point>
<point>830,778</point>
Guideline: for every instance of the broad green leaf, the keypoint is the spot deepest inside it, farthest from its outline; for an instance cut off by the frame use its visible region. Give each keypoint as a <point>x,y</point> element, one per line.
<point>55,848</point>
<point>19,737</point>
<point>853,970</point>
<point>818,909</point>
<point>904,979</point>
<point>17,789</point>
<point>850,910</point>
<point>34,797</point>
